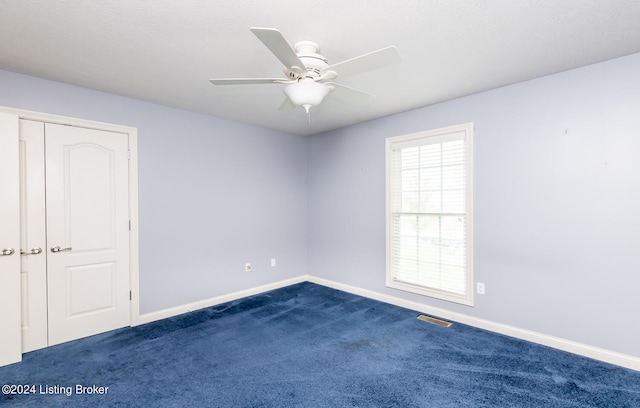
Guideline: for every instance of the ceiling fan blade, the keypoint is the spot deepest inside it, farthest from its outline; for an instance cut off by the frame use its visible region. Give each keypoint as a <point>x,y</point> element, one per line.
<point>350,94</point>
<point>276,43</point>
<point>245,81</point>
<point>366,62</point>
<point>286,105</point>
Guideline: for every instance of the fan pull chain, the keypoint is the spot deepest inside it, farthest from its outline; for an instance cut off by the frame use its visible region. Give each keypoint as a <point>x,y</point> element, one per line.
<point>306,108</point>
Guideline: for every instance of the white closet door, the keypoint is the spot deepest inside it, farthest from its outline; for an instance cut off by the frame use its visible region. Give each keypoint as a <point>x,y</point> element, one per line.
<point>87,231</point>
<point>33,236</point>
<point>10,333</point>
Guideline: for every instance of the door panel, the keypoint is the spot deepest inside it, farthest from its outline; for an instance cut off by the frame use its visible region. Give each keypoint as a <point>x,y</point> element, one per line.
<point>32,236</point>
<point>10,333</point>
<point>91,288</point>
<point>87,219</point>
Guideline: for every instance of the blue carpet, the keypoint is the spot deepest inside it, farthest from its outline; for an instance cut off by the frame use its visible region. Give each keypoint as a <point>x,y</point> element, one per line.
<point>310,346</point>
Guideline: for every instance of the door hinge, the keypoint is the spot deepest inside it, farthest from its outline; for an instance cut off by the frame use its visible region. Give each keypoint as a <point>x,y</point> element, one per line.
<point>129,225</point>
<point>130,295</point>
<point>128,154</point>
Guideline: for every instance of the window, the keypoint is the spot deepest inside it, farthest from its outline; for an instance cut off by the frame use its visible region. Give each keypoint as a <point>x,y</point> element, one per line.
<point>429,213</point>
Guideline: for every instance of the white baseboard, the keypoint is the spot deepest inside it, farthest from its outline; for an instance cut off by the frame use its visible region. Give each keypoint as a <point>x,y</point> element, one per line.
<point>178,310</point>
<point>570,346</point>
<point>581,349</point>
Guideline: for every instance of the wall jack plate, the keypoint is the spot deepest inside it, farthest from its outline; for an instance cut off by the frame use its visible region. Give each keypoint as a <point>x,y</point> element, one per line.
<point>247,267</point>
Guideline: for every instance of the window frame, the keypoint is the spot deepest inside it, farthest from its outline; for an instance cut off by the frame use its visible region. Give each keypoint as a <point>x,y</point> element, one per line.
<point>398,142</point>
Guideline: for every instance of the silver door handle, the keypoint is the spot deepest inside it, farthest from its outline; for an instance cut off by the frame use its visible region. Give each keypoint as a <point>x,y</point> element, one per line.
<point>58,249</point>
<point>34,251</point>
<point>7,252</point>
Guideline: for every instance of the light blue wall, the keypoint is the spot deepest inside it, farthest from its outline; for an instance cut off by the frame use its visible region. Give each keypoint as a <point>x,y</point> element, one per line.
<point>557,199</point>
<point>557,177</point>
<point>213,194</point>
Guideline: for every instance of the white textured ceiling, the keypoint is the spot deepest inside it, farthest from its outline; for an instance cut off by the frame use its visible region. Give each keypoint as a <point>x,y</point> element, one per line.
<point>164,51</point>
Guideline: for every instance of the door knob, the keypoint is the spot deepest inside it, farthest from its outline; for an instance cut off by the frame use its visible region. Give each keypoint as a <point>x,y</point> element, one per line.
<point>58,249</point>
<point>33,251</point>
<point>7,252</point>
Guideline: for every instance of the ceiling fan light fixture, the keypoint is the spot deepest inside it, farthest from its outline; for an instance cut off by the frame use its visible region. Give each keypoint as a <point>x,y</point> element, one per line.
<point>306,71</point>
<point>306,93</point>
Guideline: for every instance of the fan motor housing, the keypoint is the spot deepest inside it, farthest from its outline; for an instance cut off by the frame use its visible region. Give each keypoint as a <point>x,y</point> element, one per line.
<point>313,62</point>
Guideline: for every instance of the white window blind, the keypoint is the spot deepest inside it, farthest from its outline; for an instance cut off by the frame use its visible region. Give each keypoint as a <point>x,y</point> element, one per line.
<point>428,213</point>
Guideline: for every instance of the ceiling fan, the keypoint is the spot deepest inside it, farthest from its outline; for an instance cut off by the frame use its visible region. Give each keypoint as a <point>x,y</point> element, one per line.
<point>309,74</point>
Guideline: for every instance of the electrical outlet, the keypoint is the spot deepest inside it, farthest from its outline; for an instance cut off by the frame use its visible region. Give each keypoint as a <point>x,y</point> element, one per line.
<point>273,262</point>
<point>247,267</point>
<point>480,288</point>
